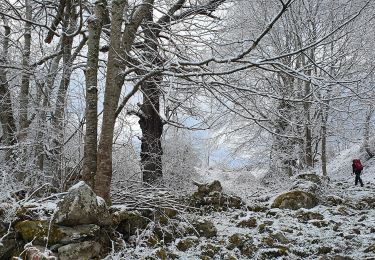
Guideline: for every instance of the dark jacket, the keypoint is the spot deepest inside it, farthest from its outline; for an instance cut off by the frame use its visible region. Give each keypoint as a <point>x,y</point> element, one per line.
<point>356,171</point>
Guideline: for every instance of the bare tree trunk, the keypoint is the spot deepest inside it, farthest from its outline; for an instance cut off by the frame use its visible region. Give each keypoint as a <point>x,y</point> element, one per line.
<point>46,88</point>
<point>6,112</point>
<point>309,161</point>
<point>95,24</point>
<point>150,122</point>
<point>25,81</point>
<point>113,86</point>
<point>366,138</point>
<point>324,141</point>
<point>120,44</point>
<point>152,130</point>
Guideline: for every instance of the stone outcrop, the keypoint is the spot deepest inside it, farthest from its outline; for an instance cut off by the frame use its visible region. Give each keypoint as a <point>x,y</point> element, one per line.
<point>76,228</point>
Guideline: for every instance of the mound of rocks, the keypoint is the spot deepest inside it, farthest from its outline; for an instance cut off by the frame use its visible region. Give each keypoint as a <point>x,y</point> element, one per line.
<point>210,197</point>
<point>75,230</point>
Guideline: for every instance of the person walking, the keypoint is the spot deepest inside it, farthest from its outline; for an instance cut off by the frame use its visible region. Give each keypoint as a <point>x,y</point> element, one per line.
<point>357,169</point>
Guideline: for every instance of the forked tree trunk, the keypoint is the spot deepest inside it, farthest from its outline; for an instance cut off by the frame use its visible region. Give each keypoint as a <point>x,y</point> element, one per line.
<point>95,24</point>
<point>111,97</point>
<point>120,46</point>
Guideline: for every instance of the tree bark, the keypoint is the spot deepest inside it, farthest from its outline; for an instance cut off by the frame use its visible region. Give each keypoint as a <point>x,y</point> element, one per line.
<point>95,24</point>
<point>366,139</point>
<point>152,130</point>
<point>150,122</point>
<point>6,111</point>
<point>323,156</point>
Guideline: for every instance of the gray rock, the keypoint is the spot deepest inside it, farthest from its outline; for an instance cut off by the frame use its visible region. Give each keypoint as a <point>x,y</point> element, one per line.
<point>80,251</point>
<point>81,206</point>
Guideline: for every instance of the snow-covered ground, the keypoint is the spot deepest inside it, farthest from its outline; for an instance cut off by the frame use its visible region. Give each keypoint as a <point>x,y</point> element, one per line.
<point>341,227</point>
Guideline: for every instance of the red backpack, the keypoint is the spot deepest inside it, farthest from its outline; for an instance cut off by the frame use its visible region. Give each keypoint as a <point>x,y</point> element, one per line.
<point>357,165</point>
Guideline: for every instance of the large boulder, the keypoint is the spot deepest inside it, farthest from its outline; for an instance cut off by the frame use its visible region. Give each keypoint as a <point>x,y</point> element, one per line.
<point>81,206</point>
<point>295,200</point>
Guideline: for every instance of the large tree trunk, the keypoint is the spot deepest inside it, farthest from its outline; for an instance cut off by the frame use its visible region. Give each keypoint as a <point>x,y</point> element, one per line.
<point>6,111</point>
<point>95,24</point>
<point>152,130</point>
<point>150,122</point>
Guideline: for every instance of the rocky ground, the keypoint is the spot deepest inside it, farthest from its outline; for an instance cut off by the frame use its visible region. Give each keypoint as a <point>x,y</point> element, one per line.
<point>339,225</point>
<point>310,217</point>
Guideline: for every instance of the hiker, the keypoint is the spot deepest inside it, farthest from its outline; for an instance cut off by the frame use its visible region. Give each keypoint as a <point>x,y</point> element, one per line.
<point>357,169</point>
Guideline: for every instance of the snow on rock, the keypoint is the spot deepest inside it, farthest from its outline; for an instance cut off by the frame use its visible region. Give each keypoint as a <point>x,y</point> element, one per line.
<point>81,206</point>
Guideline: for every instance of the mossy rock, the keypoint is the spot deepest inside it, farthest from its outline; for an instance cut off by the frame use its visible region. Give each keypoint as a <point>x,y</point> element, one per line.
<point>305,216</point>
<point>342,210</point>
<point>211,198</point>
<point>265,226</point>
<point>319,223</point>
<point>82,250</point>
<point>9,248</point>
<point>164,254</point>
<point>333,200</point>
<point>295,200</point>
<point>210,250</point>
<point>248,249</point>
<point>369,201</point>
<point>39,231</point>
<point>205,228</point>
<point>324,250</point>
<point>312,177</point>
<point>257,208</point>
<point>370,249</point>
<point>164,235</point>
<point>280,237</point>
<point>267,241</point>
<point>273,253</point>
<point>248,223</point>
<point>335,257</point>
<point>186,244</point>
<point>130,221</point>
<point>237,240</point>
